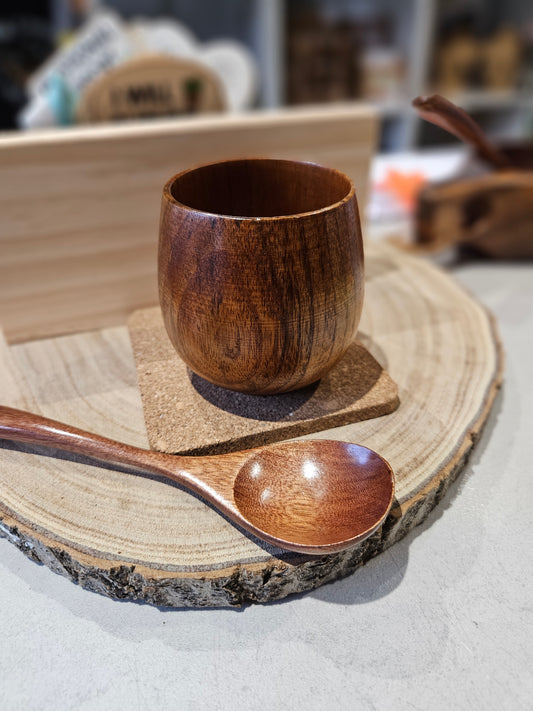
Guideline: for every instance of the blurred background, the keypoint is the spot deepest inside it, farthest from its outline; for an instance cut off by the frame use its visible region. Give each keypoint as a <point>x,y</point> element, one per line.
<point>478,53</point>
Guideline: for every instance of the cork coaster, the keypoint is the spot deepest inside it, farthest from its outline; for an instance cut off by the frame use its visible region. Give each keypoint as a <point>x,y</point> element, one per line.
<point>186,414</point>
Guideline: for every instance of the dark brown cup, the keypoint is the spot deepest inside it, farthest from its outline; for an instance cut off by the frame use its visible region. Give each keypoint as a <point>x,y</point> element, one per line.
<point>260,271</point>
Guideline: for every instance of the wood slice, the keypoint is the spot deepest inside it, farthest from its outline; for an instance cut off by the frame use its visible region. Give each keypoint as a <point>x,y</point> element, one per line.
<point>138,538</point>
<point>151,86</point>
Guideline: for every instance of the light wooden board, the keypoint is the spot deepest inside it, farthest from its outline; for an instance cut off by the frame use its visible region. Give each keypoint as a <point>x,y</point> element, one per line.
<point>79,208</point>
<point>136,537</point>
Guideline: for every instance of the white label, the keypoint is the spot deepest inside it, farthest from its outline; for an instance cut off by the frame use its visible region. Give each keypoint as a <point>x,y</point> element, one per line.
<point>101,44</point>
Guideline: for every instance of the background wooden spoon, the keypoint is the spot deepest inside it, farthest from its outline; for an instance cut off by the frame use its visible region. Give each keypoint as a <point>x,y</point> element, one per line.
<point>453,119</point>
<point>314,497</point>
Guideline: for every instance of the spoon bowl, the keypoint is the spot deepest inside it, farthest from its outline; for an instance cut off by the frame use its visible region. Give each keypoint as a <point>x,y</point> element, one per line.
<point>314,493</point>
<point>308,496</point>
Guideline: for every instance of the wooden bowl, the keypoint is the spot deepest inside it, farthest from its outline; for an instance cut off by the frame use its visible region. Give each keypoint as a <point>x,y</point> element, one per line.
<point>260,271</point>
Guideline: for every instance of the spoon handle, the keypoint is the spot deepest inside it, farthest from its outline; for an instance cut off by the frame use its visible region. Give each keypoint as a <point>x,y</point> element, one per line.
<point>443,113</point>
<point>201,475</point>
<point>21,426</point>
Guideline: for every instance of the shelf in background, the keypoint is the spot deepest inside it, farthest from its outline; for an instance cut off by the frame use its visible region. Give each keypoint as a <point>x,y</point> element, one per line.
<point>481,100</point>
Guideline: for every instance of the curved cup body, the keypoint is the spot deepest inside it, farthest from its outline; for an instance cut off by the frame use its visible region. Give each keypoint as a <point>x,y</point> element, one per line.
<point>267,299</point>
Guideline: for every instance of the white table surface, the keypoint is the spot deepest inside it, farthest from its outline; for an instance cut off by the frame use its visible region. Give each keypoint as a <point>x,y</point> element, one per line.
<point>443,620</point>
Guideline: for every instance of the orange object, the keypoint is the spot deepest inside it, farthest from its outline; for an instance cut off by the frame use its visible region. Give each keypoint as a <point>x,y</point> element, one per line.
<point>404,186</point>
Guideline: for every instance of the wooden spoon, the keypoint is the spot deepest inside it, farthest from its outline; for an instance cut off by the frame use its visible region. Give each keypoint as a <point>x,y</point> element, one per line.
<point>441,112</point>
<point>314,496</point>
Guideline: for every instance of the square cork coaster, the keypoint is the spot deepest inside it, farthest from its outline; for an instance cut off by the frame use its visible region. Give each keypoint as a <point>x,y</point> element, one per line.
<point>185,414</point>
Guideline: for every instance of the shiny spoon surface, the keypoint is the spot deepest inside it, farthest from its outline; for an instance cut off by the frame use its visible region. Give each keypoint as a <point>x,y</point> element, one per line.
<point>313,497</point>
<point>453,119</point>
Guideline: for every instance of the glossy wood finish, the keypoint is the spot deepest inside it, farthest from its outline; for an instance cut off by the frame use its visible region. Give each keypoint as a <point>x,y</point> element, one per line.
<point>445,114</point>
<point>311,497</point>
<point>260,271</point>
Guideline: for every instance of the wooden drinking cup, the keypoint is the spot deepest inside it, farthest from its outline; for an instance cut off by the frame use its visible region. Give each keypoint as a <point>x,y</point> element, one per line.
<point>260,271</point>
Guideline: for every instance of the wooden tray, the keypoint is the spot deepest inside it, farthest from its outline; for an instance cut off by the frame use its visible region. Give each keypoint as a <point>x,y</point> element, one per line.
<point>137,538</point>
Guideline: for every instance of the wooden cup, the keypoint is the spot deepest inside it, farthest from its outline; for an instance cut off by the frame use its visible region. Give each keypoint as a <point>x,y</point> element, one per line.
<point>260,271</point>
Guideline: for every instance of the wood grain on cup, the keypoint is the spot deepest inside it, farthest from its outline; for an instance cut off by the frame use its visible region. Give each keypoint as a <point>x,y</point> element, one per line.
<point>260,271</point>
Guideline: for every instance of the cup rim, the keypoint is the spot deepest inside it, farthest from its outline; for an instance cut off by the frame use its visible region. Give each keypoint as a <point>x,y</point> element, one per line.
<point>169,197</point>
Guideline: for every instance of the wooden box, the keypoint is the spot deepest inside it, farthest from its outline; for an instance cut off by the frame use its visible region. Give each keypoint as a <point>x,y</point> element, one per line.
<point>79,208</point>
